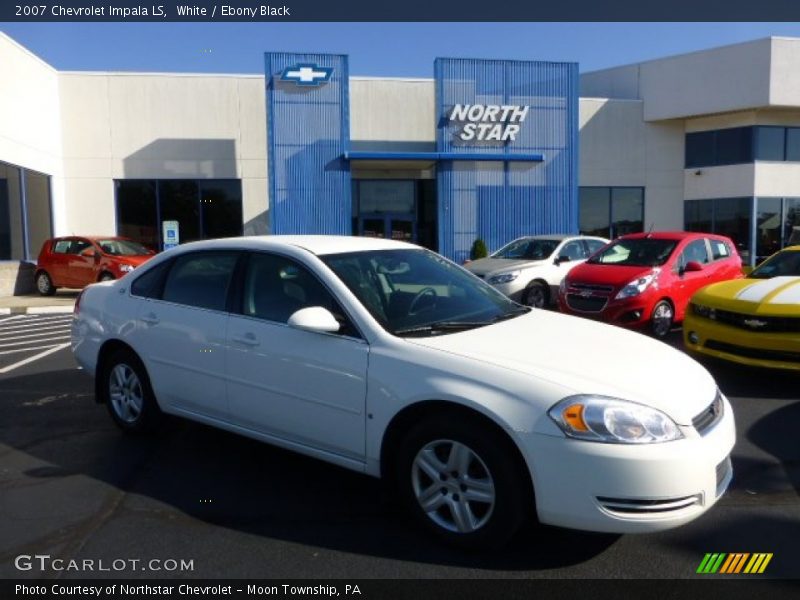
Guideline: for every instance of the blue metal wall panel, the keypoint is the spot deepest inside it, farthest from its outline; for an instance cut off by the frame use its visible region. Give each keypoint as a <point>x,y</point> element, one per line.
<point>308,133</point>
<point>500,201</point>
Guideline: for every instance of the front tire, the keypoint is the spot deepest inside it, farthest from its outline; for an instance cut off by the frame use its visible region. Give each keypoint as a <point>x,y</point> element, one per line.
<point>662,319</point>
<point>106,277</point>
<point>459,481</point>
<point>536,295</point>
<point>44,284</point>
<point>128,394</point>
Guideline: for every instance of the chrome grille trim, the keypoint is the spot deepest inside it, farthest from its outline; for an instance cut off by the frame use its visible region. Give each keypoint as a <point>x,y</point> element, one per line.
<point>706,420</point>
<point>638,506</point>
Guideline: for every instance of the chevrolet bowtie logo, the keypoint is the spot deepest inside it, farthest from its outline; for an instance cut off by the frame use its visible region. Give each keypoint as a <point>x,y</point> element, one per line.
<point>307,74</point>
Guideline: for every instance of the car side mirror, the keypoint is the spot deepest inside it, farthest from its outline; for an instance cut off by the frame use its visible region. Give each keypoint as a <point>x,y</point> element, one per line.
<point>693,266</point>
<point>314,318</point>
<point>561,259</point>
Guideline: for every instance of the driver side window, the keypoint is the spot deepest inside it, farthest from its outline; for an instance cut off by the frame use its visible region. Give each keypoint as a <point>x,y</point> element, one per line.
<point>275,287</point>
<point>574,250</point>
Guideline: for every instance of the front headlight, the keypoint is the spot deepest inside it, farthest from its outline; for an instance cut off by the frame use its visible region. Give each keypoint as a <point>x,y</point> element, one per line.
<point>611,420</point>
<point>126,268</point>
<point>562,287</point>
<point>637,286</point>
<point>704,311</point>
<point>504,277</point>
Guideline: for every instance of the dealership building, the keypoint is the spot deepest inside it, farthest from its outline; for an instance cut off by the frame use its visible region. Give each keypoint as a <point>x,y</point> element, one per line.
<point>490,149</point>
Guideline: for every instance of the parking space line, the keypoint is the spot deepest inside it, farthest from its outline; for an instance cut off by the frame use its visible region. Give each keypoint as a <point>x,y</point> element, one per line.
<point>52,339</point>
<point>30,359</point>
<point>18,350</point>
<point>30,325</point>
<point>3,336</point>
<point>15,317</point>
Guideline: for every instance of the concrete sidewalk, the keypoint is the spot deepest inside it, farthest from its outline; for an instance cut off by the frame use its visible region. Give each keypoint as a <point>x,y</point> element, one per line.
<point>32,304</point>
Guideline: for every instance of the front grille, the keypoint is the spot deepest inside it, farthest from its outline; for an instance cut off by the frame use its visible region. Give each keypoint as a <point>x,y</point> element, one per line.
<point>723,470</point>
<point>635,506</point>
<point>755,353</point>
<point>754,323</point>
<point>710,416</point>
<point>589,287</point>
<point>586,303</point>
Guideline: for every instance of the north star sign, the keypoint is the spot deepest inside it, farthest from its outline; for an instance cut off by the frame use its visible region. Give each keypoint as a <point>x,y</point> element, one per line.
<point>488,122</point>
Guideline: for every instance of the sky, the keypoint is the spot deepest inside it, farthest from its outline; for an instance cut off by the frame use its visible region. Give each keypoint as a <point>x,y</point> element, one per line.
<point>375,49</point>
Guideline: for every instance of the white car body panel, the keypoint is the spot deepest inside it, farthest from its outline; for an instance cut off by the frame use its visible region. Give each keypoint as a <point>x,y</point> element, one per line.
<point>333,397</point>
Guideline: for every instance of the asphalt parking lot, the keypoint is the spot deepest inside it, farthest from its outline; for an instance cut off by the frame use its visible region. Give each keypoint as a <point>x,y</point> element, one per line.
<point>73,487</point>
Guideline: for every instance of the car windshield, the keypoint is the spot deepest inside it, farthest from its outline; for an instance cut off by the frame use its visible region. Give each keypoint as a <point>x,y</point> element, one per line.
<point>782,264</point>
<point>416,292</point>
<point>527,249</point>
<point>123,248</point>
<point>640,252</point>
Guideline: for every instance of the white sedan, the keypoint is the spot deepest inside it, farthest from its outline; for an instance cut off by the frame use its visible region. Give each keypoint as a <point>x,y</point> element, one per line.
<point>390,360</point>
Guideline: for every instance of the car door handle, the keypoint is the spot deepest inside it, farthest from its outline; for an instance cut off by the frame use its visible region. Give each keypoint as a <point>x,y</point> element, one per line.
<point>247,339</point>
<point>150,319</point>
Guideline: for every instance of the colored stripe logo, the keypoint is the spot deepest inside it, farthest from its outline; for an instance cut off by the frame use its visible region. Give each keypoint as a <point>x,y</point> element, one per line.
<point>734,563</point>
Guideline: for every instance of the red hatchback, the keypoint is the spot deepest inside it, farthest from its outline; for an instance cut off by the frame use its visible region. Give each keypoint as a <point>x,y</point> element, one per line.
<point>645,280</point>
<point>75,262</point>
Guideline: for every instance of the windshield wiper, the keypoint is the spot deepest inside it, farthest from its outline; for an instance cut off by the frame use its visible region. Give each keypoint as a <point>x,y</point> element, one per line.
<point>450,326</point>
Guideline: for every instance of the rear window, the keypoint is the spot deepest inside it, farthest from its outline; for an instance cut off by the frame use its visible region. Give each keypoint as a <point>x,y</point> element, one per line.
<point>720,249</point>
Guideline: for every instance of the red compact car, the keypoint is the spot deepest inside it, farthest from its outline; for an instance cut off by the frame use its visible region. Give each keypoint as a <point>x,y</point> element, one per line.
<point>75,262</point>
<point>645,280</point>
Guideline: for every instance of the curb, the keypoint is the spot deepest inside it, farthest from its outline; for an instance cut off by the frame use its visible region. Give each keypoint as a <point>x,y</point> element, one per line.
<point>36,310</point>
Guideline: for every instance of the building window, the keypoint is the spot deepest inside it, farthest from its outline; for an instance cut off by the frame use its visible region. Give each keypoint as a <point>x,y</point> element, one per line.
<point>204,208</point>
<point>25,212</point>
<point>777,225</point>
<point>726,216</point>
<point>740,145</point>
<point>611,211</point>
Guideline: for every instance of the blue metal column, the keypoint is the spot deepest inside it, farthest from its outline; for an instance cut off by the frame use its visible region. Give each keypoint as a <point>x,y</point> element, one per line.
<point>308,132</point>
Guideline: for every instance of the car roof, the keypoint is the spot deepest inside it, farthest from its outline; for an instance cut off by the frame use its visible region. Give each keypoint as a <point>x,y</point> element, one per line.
<point>668,235</point>
<point>316,244</point>
<point>557,237</point>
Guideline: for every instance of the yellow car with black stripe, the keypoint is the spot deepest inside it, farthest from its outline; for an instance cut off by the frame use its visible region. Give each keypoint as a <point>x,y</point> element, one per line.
<point>753,321</point>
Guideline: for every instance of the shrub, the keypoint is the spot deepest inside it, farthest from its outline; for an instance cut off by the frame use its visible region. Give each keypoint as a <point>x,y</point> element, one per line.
<point>478,250</point>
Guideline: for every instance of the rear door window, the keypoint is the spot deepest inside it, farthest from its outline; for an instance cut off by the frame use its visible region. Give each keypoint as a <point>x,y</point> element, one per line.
<point>201,279</point>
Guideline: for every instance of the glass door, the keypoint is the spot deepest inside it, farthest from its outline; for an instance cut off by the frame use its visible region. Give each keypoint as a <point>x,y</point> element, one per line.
<point>394,227</point>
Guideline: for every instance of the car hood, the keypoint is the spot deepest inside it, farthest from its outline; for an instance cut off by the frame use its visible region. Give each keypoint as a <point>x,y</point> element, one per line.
<point>484,266</point>
<point>778,296</point>
<point>587,357</point>
<point>613,275</point>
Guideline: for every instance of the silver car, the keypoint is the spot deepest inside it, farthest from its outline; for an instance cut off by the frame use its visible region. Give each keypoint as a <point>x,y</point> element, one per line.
<point>530,269</point>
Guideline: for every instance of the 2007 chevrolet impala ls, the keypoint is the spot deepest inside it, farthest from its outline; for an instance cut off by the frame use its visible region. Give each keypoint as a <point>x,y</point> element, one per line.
<point>388,359</point>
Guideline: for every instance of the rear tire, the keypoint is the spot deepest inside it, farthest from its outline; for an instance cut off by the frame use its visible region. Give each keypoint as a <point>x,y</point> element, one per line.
<point>536,295</point>
<point>44,284</point>
<point>662,319</point>
<point>458,480</point>
<point>127,392</point>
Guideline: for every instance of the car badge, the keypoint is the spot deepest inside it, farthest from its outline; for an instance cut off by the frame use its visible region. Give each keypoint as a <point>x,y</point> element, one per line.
<point>585,293</point>
<point>755,323</point>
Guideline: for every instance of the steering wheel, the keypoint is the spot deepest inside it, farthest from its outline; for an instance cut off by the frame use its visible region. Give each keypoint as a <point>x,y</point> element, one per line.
<point>423,293</point>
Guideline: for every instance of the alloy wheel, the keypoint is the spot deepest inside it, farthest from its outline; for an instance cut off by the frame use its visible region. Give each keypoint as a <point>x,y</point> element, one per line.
<point>453,486</point>
<point>126,393</point>
<point>662,319</point>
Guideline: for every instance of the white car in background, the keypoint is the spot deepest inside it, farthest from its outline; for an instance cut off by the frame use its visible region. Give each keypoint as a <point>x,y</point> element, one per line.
<point>390,360</point>
<point>530,269</point>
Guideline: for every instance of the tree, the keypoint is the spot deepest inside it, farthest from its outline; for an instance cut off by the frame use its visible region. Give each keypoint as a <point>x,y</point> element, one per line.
<point>478,250</point>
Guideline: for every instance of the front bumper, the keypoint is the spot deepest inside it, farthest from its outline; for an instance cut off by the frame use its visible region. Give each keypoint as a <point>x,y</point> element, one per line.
<point>633,313</point>
<point>620,488</point>
<point>726,342</point>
